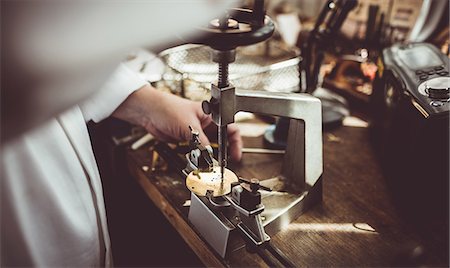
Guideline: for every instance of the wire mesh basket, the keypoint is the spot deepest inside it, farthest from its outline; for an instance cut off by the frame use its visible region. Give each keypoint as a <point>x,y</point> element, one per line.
<point>266,66</point>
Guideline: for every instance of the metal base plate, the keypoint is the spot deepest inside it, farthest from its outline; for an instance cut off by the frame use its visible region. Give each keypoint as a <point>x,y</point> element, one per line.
<point>281,208</point>
<point>218,226</point>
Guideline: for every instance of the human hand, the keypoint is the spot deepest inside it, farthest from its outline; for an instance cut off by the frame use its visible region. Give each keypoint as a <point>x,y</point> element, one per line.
<point>168,117</point>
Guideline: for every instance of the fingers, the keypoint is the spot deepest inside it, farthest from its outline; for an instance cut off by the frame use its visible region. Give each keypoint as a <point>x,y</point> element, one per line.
<point>177,129</point>
<point>235,142</point>
<point>202,136</point>
<point>205,119</point>
<point>159,134</point>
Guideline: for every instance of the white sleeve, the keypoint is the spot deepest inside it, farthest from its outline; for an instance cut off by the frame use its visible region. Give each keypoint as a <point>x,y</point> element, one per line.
<point>119,86</point>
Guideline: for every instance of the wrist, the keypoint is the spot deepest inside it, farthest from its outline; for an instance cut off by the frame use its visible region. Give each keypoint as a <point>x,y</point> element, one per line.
<point>133,109</point>
<point>151,103</point>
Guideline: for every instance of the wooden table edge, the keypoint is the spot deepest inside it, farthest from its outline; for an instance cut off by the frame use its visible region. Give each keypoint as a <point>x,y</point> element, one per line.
<point>194,241</point>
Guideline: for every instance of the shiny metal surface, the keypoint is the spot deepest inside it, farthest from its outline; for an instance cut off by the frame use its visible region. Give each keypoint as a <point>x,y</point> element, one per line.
<point>213,228</point>
<point>281,208</point>
<point>261,151</point>
<point>222,137</point>
<point>303,158</point>
<point>218,226</point>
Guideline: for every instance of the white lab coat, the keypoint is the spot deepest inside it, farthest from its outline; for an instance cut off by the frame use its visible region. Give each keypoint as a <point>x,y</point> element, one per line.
<point>52,206</point>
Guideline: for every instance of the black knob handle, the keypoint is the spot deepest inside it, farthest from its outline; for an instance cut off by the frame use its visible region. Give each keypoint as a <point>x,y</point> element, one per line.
<point>243,28</point>
<point>438,93</point>
<point>258,13</point>
<point>206,107</point>
<point>438,88</point>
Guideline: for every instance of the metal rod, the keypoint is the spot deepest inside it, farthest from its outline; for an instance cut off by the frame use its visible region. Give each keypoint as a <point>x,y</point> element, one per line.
<point>222,82</point>
<point>222,137</point>
<point>262,151</point>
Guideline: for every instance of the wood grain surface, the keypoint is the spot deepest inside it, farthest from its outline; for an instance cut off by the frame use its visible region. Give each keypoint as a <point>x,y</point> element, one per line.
<point>357,224</point>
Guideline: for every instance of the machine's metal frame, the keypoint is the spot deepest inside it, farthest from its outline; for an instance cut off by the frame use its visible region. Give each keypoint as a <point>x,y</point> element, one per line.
<point>302,167</point>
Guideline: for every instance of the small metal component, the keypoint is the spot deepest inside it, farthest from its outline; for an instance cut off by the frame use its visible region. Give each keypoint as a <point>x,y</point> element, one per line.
<point>200,157</point>
<point>436,103</point>
<point>248,203</point>
<point>254,185</point>
<point>222,148</point>
<point>223,56</point>
<point>231,24</point>
<point>222,105</point>
<point>195,141</point>
<point>255,182</point>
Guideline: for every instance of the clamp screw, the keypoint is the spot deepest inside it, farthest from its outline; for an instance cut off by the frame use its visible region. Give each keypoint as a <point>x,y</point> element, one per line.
<point>254,185</point>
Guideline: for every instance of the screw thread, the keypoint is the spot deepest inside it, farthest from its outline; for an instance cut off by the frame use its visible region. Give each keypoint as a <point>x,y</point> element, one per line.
<point>223,75</point>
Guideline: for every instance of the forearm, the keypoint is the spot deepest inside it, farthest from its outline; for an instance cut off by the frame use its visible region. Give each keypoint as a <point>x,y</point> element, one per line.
<point>164,115</point>
<point>136,108</point>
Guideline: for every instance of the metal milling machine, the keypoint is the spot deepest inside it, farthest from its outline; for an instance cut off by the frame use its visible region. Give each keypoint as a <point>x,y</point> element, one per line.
<point>224,206</point>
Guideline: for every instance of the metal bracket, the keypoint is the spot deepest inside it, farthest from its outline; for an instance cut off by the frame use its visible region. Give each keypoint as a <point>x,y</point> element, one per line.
<point>223,104</point>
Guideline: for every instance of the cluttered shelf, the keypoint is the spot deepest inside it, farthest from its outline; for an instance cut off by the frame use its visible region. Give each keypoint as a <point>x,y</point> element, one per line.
<point>356,224</point>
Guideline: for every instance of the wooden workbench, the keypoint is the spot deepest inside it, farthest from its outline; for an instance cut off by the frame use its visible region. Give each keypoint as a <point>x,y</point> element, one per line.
<point>357,223</point>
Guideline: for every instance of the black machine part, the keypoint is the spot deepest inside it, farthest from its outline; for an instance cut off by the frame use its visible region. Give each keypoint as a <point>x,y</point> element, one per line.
<point>238,27</point>
<point>410,132</point>
<point>421,73</point>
